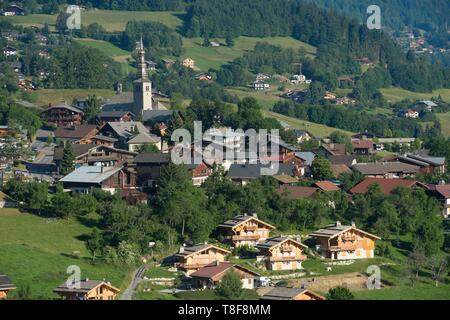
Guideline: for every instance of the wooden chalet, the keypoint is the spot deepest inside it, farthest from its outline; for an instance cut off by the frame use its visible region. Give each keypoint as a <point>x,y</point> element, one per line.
<point>148,167</point>
<point>115,116</point>
<point>211,275</point>
<point>245,230</point>
<point>87,290</point>
<point>5,286</point>
<point>193,258</point>
<point>282,253</point>
<point>62,115</point>
<point>442,193</point>
<point>199,172</point>
<point>283,293</point>
<point>341,242</point>
<point>76,132</point>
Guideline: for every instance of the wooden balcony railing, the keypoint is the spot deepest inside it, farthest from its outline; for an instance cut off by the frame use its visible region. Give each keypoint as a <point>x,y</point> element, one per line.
<point>343,247</point>
<point>245,237</point>
<point>290,258</point>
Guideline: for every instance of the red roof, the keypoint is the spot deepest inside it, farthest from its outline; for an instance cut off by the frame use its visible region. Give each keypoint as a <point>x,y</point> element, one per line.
<point>442,189</point>
<point>216,268</point>
<point>362,144</point>
<point>297,192</point>
<point>386,185</point>
<point>327,186</point>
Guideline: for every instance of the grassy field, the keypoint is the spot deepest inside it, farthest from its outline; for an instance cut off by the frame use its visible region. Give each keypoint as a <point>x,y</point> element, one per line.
<point>111,20</point>
<point>396,94</point>
<point>54,96</point>
<point>214,57</point>
<point>318,130</point>
<point>37,251</point>
<point>444,119</point>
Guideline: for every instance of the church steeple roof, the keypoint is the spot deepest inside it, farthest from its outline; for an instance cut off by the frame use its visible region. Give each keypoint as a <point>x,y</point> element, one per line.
<point>142,66</point>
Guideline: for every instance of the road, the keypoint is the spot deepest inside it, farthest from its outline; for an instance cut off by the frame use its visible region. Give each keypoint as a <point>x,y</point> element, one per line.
<point>131,289</point>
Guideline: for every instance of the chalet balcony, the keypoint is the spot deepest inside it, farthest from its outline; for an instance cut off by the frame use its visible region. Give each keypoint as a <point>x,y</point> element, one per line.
<point>251,237</point>
<point>287,249</point>
<point>290,258</point>
<point>188,266</point>
<point>344,247</point>
<point>250,228</point>
<point>349,238</point>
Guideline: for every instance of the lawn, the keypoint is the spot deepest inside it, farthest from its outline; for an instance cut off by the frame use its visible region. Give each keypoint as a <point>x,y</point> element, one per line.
<point>111,20</point>
<point>318,130</point>
<point>396,94</point>
<point>36,251</point>
<point>444,119</point>
<point>211,295</point>
<point>214,57</point>
<point>54,96</point>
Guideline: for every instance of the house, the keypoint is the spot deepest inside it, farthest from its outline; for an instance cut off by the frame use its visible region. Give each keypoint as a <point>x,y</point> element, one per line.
<point>152,117</point>
<point>76,132</point>
<point>193,258</point>
<point>299,79</point>
<point>168,63</point>
<point>261,77</point>
<point>339,169</point>
<point>283,293</point>
<point>211,275</point>
<point>151,65</point>
<point>332,149</point>
<point>203,77</point>
<point>362,147</point>
<point>148,167</point>
<point>442,193</point>
<point>326,186</point>
<point>386,169</point>
<point>109,179</point>
<point>87,290</point>
<point>284,179</point>
<point>426,104</point>
<point>98,140</point>
<point>260,85</point>
<point>330,95</point>
<point>282,253</point>
<point>302,135</point>
<point>413,114</point>
<point>297,192</point>
<point>62,115</point>
<point>307,157</point>
<point>123,132</point>
<point>9,51</point>
<point>341,242</point>
<point>5,286</point>
<point>243,173</point>
<point>13,10</point>
<point>137,142</point>
<point>188,63</point>
<point>245,230</point>
<point>115,116</point>
<point>386,185</point>
<point>199,172</point>
<point>426,163</point>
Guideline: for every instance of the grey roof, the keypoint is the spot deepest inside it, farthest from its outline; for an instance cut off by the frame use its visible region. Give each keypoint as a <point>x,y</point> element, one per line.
<point>157,115</point>
<point>126,129</point>
<point>113,114</point>
<point>5,283</point>
<point>282,293</point>
<point>143,138</point>
<point>428,103</point>
<point>270,242</point>
<point>152,157</point>
<point>78,150</point>
<point>398,140</point>
<point>90,174</point>
<point>238,220</point>
<point>385,167</point>
<point>307,156</point>
<point>106,138</point>
<point>336,228</point>
<point>85,286</point>
<point>253,171</point>
<point>64,106</point>
<point>438,161</point>
<point>185,251</point>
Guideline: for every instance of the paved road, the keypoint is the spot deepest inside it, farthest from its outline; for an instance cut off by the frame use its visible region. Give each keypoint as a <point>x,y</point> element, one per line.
<point>131,290</point>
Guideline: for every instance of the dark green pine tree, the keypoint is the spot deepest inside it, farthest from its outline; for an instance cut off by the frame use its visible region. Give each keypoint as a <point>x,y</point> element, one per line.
<point>67,163</point>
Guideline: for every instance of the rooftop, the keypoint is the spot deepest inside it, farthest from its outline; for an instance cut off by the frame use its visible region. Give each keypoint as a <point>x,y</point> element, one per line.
<point>382,168</point>
<point>327,186</point>
<point>85,286</point>
<point>297,192</point>
<point>90,174</point>
<point>337,228</point>
<point>386,185</point>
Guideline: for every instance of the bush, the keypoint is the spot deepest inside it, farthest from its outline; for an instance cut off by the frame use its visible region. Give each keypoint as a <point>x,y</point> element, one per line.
<point>340,293</point>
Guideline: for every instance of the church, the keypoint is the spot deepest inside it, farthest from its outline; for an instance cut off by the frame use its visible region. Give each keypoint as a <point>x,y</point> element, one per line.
<point>143,101</point>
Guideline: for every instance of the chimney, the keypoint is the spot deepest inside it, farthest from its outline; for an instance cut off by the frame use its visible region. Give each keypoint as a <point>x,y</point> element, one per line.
<point>254,215</point>
<point>87,279</point>
<point>353,224</point>
<point>206,242</point>
<point>181,250</point>
<point>338,223</point>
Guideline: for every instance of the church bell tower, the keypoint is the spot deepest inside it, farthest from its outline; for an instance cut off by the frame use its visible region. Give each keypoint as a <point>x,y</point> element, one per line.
<point>142,89</point>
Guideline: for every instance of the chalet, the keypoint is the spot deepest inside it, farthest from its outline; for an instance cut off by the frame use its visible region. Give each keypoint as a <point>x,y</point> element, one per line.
<point>168,63</point>
<point>199,172</point>
<point>284,179</point>
<point>283,293</point>
<point>260,85</point>
<point>326,186</point>
<point>62,115</point>
<point>148,167</point>
<point>442,193</point>
<point>10,35</point>
<point>151,117</point>
<point>282,253</point>
<point>413,114</point>
<point>307,157</point>
<point>87,290</point>
<point>188,63</point>
<point>9,51</point>
<point>76,132</point>
<point>332,149</point>
<point>211,275</point>
<point>386,169</point>
<point>110,179</point>
<point>245,230</point>
<point>12,10</point>
<point>243,173</point>
<point>137,142</point>
<point>151,65</point>
<point>124,132</point>
<point>426,105</point>
<point>302,135</point>
<point>338,169</point>
<point>340,242</point>
<point>426,163</point>
<point>191,259</point>
<point>115,116</point>
<point>299,79</point>
<point>203,77</point>
<point>98,140</point>
<point>330,95</point>
<point>94,155</point>
<point>297,192</point>
<point>386,185</point>
<point>362,147</point>
<point>5,286</point>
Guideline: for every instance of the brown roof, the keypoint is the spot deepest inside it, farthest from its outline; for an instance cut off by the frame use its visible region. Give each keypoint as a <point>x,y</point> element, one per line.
<point>386,185</point>
<point>216,268</point>
<point>327,186</point>
<point>335,229</point>
<point>75,132</point>
<point>297,192</point>
<point>284,178</point>
<point>338,169</point>
<point>78,150</point>
<point>383,168</point>
<point>84,286</point>
<point>335,148</point>
<point>362,144</point>
<point>283,293</point>
<point>238,220</point>
<point>342,159</point>
<point>442,189</point>
<point>187,251</point>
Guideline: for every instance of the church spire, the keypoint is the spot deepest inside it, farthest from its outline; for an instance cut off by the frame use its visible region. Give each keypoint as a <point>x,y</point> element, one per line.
<point>142,66</point>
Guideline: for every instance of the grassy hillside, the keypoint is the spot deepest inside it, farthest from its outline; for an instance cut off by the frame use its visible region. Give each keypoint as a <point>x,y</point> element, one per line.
<point>111,20</point>
<point>53,96</point>
<point>396,94</point>
<point>444,119</point>
<point>37,251</point>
